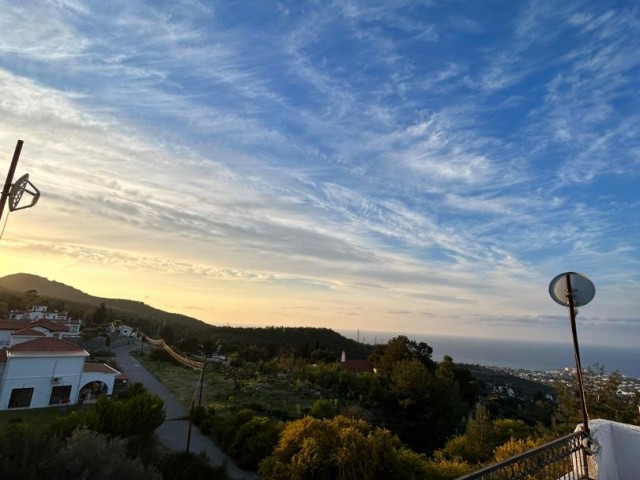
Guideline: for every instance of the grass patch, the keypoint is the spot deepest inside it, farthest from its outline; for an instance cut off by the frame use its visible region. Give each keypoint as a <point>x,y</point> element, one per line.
<point>42,417</point>
<point>278,397</point>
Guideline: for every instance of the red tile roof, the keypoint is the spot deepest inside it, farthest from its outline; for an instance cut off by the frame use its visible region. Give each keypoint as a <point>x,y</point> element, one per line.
<point>99,368</point>
<point>51,325</point>
<point>6,324</point>
<point>46,344</point>
<point>357,366</point>
<point>28,332</point>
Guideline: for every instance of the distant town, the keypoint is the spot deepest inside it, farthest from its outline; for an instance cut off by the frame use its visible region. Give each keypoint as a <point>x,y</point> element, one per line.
<point>628,386</point>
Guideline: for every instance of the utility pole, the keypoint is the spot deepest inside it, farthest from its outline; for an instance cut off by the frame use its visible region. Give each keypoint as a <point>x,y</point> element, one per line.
<point>190,423</point>
<point>204,363</point>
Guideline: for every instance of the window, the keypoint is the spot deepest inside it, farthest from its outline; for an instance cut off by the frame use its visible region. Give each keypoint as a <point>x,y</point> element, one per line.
<point>20,398</point>
<point>60,395</point>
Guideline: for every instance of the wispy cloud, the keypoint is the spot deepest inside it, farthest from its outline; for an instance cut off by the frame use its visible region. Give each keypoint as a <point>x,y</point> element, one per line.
<point>420,153</point>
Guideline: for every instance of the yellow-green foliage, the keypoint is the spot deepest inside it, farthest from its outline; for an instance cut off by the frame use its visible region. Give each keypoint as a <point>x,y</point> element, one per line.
<point>446,469</point>
<point>514,447</point>
<point>340,449</point>
<point>484,437</point>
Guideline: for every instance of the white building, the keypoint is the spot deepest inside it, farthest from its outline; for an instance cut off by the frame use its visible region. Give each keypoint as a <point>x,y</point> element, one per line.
<point>38,371</point>
<point>122,330</point>
<point>39,314</point>
<point>9,328</point>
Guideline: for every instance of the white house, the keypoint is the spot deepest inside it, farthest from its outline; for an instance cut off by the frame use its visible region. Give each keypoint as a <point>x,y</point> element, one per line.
<point>60,325</point>
<point>38,312</point>
<point>122,330</point>
<point>9,326</point>
<point>38,371</point>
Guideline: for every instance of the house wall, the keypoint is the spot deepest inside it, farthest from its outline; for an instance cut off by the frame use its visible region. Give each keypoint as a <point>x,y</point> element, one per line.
<point>126,331</point>
<point>16,339</point>
<point>74,329</point>
<point>5,338</point>
<point>39,372</point>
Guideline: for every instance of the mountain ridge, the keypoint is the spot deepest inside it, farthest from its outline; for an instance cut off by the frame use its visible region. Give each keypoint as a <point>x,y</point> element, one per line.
<point>152,320</point>
<point>22,282</point>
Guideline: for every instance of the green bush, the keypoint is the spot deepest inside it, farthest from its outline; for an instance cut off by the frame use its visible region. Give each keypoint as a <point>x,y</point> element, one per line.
<point>198,414</point>
<point>254,441</point>
<point>323,408</point>
<point>207,425</point>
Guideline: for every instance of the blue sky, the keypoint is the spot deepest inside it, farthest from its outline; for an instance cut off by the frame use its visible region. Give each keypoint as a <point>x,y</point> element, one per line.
<point>416,167</point>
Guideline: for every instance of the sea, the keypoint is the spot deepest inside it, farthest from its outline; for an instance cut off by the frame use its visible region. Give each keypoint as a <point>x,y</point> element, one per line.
<point>527,355</point>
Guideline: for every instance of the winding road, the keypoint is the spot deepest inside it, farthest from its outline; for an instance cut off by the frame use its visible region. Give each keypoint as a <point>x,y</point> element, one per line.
<point>173,432</point>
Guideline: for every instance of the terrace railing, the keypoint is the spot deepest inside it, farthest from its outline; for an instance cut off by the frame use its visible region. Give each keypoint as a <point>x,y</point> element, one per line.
<point>561,459</point>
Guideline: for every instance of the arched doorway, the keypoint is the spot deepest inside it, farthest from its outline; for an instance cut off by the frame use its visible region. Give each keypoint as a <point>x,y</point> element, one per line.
<point>92,390</point>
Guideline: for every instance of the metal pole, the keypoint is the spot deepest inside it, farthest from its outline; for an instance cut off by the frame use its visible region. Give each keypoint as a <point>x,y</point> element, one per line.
<point>204,364</point>
<point>9,180</point>
<point>576,352</point>
<point>190,421</point>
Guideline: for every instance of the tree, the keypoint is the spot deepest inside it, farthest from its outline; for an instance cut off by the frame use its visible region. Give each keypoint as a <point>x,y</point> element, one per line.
<point>411,381</point>
<point>31,298</point>
<point>398,349</point>
<point>341,449</point>
<point>100,315</point>
<point>189,345</point>
<point>603,400</point>
<point>253,441</point>
<point>93,455</point>
<point>476,445</point>
<point>136,415</point>
<point>166,333</point>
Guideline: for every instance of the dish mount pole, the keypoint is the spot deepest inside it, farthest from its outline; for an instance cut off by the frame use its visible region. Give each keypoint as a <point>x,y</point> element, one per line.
<point>12,170</point>
<point>576,353</point>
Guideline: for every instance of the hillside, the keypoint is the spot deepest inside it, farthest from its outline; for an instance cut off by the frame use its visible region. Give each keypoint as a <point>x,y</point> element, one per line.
<point>150,319</point>
<point>22,282</point>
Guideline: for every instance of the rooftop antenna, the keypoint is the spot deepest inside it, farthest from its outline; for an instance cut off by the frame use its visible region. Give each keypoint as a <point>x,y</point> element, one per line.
<point>14,192</point>
<point>572,290</point>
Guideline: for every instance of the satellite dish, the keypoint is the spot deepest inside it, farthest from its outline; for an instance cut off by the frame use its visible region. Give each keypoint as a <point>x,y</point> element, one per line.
<point>582,289</point>
<point>18,189</point>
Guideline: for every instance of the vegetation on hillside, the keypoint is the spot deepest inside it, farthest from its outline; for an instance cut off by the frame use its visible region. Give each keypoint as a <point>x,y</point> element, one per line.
<point>21,291</point>
<point>282,394</point>
<point>113,439</point>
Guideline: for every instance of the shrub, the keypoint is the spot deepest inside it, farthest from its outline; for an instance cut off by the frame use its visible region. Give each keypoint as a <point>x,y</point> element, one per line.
<point>323,408</point>
<point>254,441</point>
<point>92,455</point>
<point>198,414</point>
<point>207,425</point>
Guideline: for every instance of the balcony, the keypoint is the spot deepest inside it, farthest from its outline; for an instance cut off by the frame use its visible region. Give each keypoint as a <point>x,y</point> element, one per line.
<point>614,454</point>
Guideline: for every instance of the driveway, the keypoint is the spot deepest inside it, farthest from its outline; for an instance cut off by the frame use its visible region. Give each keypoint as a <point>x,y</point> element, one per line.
<point>173,432</point>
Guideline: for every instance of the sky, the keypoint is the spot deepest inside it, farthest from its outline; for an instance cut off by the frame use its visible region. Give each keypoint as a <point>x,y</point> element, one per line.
<point>419,167</point>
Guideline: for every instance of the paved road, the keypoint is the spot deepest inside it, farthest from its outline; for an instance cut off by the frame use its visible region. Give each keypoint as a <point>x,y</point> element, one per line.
<point>173,432</point>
